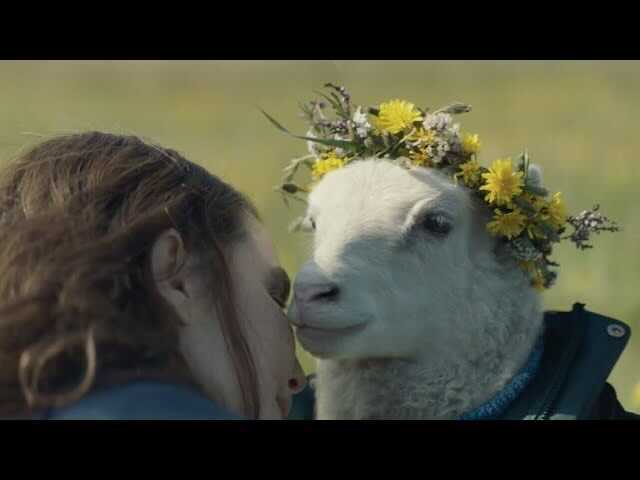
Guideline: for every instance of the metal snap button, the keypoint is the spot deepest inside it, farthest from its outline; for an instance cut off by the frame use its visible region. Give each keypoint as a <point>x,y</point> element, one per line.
<point>616,331</point>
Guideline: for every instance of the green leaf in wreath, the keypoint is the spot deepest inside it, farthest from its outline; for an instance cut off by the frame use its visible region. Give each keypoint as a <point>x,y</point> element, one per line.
<point>344,144</point>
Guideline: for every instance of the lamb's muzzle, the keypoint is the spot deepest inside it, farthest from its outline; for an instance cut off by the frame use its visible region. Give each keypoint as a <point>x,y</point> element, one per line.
<point>315,312</point>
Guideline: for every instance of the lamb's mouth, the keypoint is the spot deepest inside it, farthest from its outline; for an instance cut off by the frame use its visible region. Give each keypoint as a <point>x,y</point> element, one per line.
<point>314,334</point>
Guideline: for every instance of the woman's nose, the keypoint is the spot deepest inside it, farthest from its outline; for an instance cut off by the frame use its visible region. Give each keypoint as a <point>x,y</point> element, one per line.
<point>298,380</point>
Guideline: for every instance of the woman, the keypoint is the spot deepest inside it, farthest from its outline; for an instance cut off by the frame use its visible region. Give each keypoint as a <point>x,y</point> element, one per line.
<point>134,284</point>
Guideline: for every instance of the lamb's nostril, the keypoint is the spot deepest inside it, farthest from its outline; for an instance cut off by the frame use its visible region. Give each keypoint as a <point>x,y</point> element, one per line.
<point>330,292</point>
<point>316,292</point>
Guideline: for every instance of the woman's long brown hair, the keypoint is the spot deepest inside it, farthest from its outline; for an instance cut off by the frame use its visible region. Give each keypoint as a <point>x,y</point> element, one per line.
<point>78,216</point>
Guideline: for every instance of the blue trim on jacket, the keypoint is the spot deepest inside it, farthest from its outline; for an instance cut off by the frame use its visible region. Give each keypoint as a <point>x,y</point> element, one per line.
<point>495,407</point>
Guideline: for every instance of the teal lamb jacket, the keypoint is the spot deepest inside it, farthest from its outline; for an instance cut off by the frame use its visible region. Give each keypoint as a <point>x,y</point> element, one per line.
<point>580,350</point>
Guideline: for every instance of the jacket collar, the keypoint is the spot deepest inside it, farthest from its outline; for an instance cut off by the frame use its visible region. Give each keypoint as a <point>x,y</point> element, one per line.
<point>581,349</point>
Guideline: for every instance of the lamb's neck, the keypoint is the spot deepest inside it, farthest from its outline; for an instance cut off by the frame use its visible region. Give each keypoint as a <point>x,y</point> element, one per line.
<point>424,389</point>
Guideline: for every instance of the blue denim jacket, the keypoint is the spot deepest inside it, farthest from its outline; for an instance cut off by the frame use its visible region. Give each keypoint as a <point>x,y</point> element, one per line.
<point>141,400</point>
<point>149,400</point>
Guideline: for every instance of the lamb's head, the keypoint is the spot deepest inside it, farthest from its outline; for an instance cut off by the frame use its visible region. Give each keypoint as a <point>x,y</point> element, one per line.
<point>402,267</point>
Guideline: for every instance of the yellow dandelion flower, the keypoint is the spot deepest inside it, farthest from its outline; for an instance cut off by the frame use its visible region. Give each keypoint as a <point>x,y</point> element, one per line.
<point>471,143</point>
<point>508,224</point>
<point>325,165</point>
<point>396,116</point>
<point>502,183</point>
<point>420,158</point>
<point>538,281</point>
<point>424,137</point>
<point>556,211</point>
<point>470,173</point>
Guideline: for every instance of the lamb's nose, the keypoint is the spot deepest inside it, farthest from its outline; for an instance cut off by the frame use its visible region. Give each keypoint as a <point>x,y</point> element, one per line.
<point>314,292</point>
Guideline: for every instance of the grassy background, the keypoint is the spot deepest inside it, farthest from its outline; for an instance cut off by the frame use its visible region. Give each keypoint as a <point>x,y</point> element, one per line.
<point>577,119</point>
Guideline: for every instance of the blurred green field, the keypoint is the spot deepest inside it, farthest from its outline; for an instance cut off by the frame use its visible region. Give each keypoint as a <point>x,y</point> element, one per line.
<point>577,119</point>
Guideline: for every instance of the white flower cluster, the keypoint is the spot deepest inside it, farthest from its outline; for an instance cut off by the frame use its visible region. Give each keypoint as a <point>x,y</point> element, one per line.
<point>361,123</point>
<point>438,122</point>
<point>437,150</point>
<point>447,136</point>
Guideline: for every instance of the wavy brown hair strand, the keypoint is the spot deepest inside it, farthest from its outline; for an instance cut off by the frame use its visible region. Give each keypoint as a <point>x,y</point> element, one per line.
<point>78,309</point>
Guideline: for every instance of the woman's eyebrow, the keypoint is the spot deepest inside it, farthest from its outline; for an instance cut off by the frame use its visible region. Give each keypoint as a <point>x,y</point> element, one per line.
<point>279,282</point>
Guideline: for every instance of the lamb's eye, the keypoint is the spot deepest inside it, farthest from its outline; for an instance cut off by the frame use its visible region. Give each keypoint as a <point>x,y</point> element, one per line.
<point>437,223</point>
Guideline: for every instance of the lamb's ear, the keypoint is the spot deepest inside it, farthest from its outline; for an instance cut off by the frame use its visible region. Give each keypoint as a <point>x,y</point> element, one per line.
<point>534,175</point>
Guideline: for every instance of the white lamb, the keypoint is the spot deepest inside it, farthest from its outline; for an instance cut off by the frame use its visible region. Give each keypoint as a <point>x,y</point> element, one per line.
<point>412,309</point>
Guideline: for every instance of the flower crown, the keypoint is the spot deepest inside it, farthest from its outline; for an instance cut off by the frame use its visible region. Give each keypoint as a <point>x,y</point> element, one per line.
<point>526,216</point>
